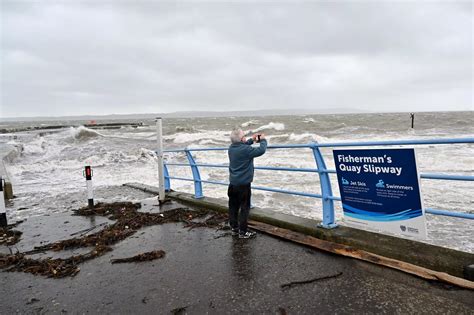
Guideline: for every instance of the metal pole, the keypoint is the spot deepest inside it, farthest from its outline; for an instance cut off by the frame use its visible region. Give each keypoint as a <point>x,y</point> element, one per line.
<point>90,191</point>
<point>167,178</point>
<point>329,218</point>
<point>3,212</point>
<point>196,175</point>
<point>159,154</point>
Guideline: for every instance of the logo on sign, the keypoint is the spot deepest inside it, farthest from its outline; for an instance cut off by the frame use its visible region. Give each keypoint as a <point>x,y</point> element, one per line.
<point>380,184</point>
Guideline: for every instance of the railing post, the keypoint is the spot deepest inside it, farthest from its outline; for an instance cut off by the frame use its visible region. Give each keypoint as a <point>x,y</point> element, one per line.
<point>329,218</point>
<point>159,155</point>
<point>167,178</point>
<point>196,176</point>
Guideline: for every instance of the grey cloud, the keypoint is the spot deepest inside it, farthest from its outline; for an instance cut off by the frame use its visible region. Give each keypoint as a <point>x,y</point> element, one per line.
<point>125,57</point>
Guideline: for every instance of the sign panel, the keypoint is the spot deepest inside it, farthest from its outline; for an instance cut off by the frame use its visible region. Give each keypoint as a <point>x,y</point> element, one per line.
<point>380,189</point>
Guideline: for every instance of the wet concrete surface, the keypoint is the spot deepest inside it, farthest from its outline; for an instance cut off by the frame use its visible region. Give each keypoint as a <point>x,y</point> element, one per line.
<point>209,271</point>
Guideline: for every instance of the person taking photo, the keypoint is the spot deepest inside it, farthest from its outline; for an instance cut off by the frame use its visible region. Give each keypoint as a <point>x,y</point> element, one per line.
<point>241,169</point>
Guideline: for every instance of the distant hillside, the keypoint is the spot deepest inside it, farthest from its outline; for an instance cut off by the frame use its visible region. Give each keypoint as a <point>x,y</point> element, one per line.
<point>187,114</point>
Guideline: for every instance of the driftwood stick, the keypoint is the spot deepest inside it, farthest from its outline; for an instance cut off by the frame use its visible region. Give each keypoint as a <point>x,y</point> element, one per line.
<point>293,283</point>
<point>349,251</point>
<point>140,257</point>
<point>82,232</point>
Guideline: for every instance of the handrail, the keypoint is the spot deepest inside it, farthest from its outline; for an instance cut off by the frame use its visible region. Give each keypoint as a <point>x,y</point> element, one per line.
<point>331,171</point>
<point>347,144</point>
<point>270,168</point>
<point>326,194</point>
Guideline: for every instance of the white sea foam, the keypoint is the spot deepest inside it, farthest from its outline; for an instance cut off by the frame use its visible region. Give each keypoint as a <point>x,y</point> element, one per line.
<point>195,137</point>
<point>183,128</point>
<point>271,125</point>
<point>37,146</point>
<point>83,133</point>
<point>135,135</point>
<point>249,123</point>
<point>208,142</point>
<point>297,138</point>
<point>147,154</point>
<point>277,138</point>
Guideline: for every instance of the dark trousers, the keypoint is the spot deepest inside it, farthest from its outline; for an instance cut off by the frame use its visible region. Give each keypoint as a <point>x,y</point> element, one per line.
<point>239,198</point>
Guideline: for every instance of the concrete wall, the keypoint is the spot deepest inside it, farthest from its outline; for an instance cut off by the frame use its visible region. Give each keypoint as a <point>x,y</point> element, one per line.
<point>429,256</point>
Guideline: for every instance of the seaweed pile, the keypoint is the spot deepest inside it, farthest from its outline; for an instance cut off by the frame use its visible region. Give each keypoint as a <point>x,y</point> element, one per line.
<point>127,221</point>
<point>215,220</point>
<point>9,236</point>
<point>141,257</point>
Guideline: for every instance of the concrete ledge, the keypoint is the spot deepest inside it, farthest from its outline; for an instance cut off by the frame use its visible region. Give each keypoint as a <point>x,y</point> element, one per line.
<point>426,255</point>
<point>7,153</point>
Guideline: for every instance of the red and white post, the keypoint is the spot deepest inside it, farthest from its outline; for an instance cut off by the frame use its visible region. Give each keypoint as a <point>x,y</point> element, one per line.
<point>3,211</point>
<point>90,192</point>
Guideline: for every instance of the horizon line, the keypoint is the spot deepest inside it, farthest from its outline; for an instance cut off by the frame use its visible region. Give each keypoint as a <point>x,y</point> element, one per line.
<point>303,112</point>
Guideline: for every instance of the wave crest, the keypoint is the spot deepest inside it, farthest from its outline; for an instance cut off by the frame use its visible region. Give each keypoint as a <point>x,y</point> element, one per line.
<point>83,133</point>
<point>184,129</point>
<point>248,123</point>
<point>271,125</point>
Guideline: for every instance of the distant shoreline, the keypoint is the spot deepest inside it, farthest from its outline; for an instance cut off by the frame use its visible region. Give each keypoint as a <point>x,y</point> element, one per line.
<point>210,114</point>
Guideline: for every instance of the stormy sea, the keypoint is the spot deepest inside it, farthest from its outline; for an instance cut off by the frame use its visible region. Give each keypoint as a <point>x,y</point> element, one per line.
<point>47,167</point>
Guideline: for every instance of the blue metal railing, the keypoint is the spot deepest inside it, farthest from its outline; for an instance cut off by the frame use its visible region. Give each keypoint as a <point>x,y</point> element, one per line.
<point>326,195</point>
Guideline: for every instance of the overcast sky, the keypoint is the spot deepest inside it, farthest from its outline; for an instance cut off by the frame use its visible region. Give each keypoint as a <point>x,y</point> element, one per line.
<point>104,57</point>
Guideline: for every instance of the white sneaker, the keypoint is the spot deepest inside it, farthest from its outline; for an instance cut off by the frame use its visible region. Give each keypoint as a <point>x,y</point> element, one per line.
<point>248,234</point>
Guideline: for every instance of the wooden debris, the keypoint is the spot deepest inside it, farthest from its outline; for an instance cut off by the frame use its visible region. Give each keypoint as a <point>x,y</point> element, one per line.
<point>51,268</point>
<point>8,236</point>
<point>294,283</point>
<point>141,257</point>
<point>128,221</point>
<point>179,310</point>
<point>214,221</point>
<point>349,251</point>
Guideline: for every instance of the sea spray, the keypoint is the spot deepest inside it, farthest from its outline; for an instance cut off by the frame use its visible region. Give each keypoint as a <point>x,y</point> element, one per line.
<point>249,123</point>
<point>271,125</point>
<point>83,134</point>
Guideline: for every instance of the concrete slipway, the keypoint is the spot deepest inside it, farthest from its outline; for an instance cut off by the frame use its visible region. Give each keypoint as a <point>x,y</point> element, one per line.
<point>209,271</point>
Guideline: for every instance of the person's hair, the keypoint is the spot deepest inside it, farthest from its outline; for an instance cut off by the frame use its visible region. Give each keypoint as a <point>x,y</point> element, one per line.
<point>236,135</point>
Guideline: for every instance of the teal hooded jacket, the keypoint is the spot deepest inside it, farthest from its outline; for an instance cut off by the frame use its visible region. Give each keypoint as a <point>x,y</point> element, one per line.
<point>241,155</point>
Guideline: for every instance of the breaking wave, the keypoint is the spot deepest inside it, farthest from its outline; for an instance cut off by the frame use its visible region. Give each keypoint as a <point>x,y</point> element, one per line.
<point>271,125</point>
<point>209,142</point>
<point>298,138</point>
<point>184,129</point>
<point>37,146</point>
<point>181,138</point>
<point>248,123</point>
<point>82,133</point>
